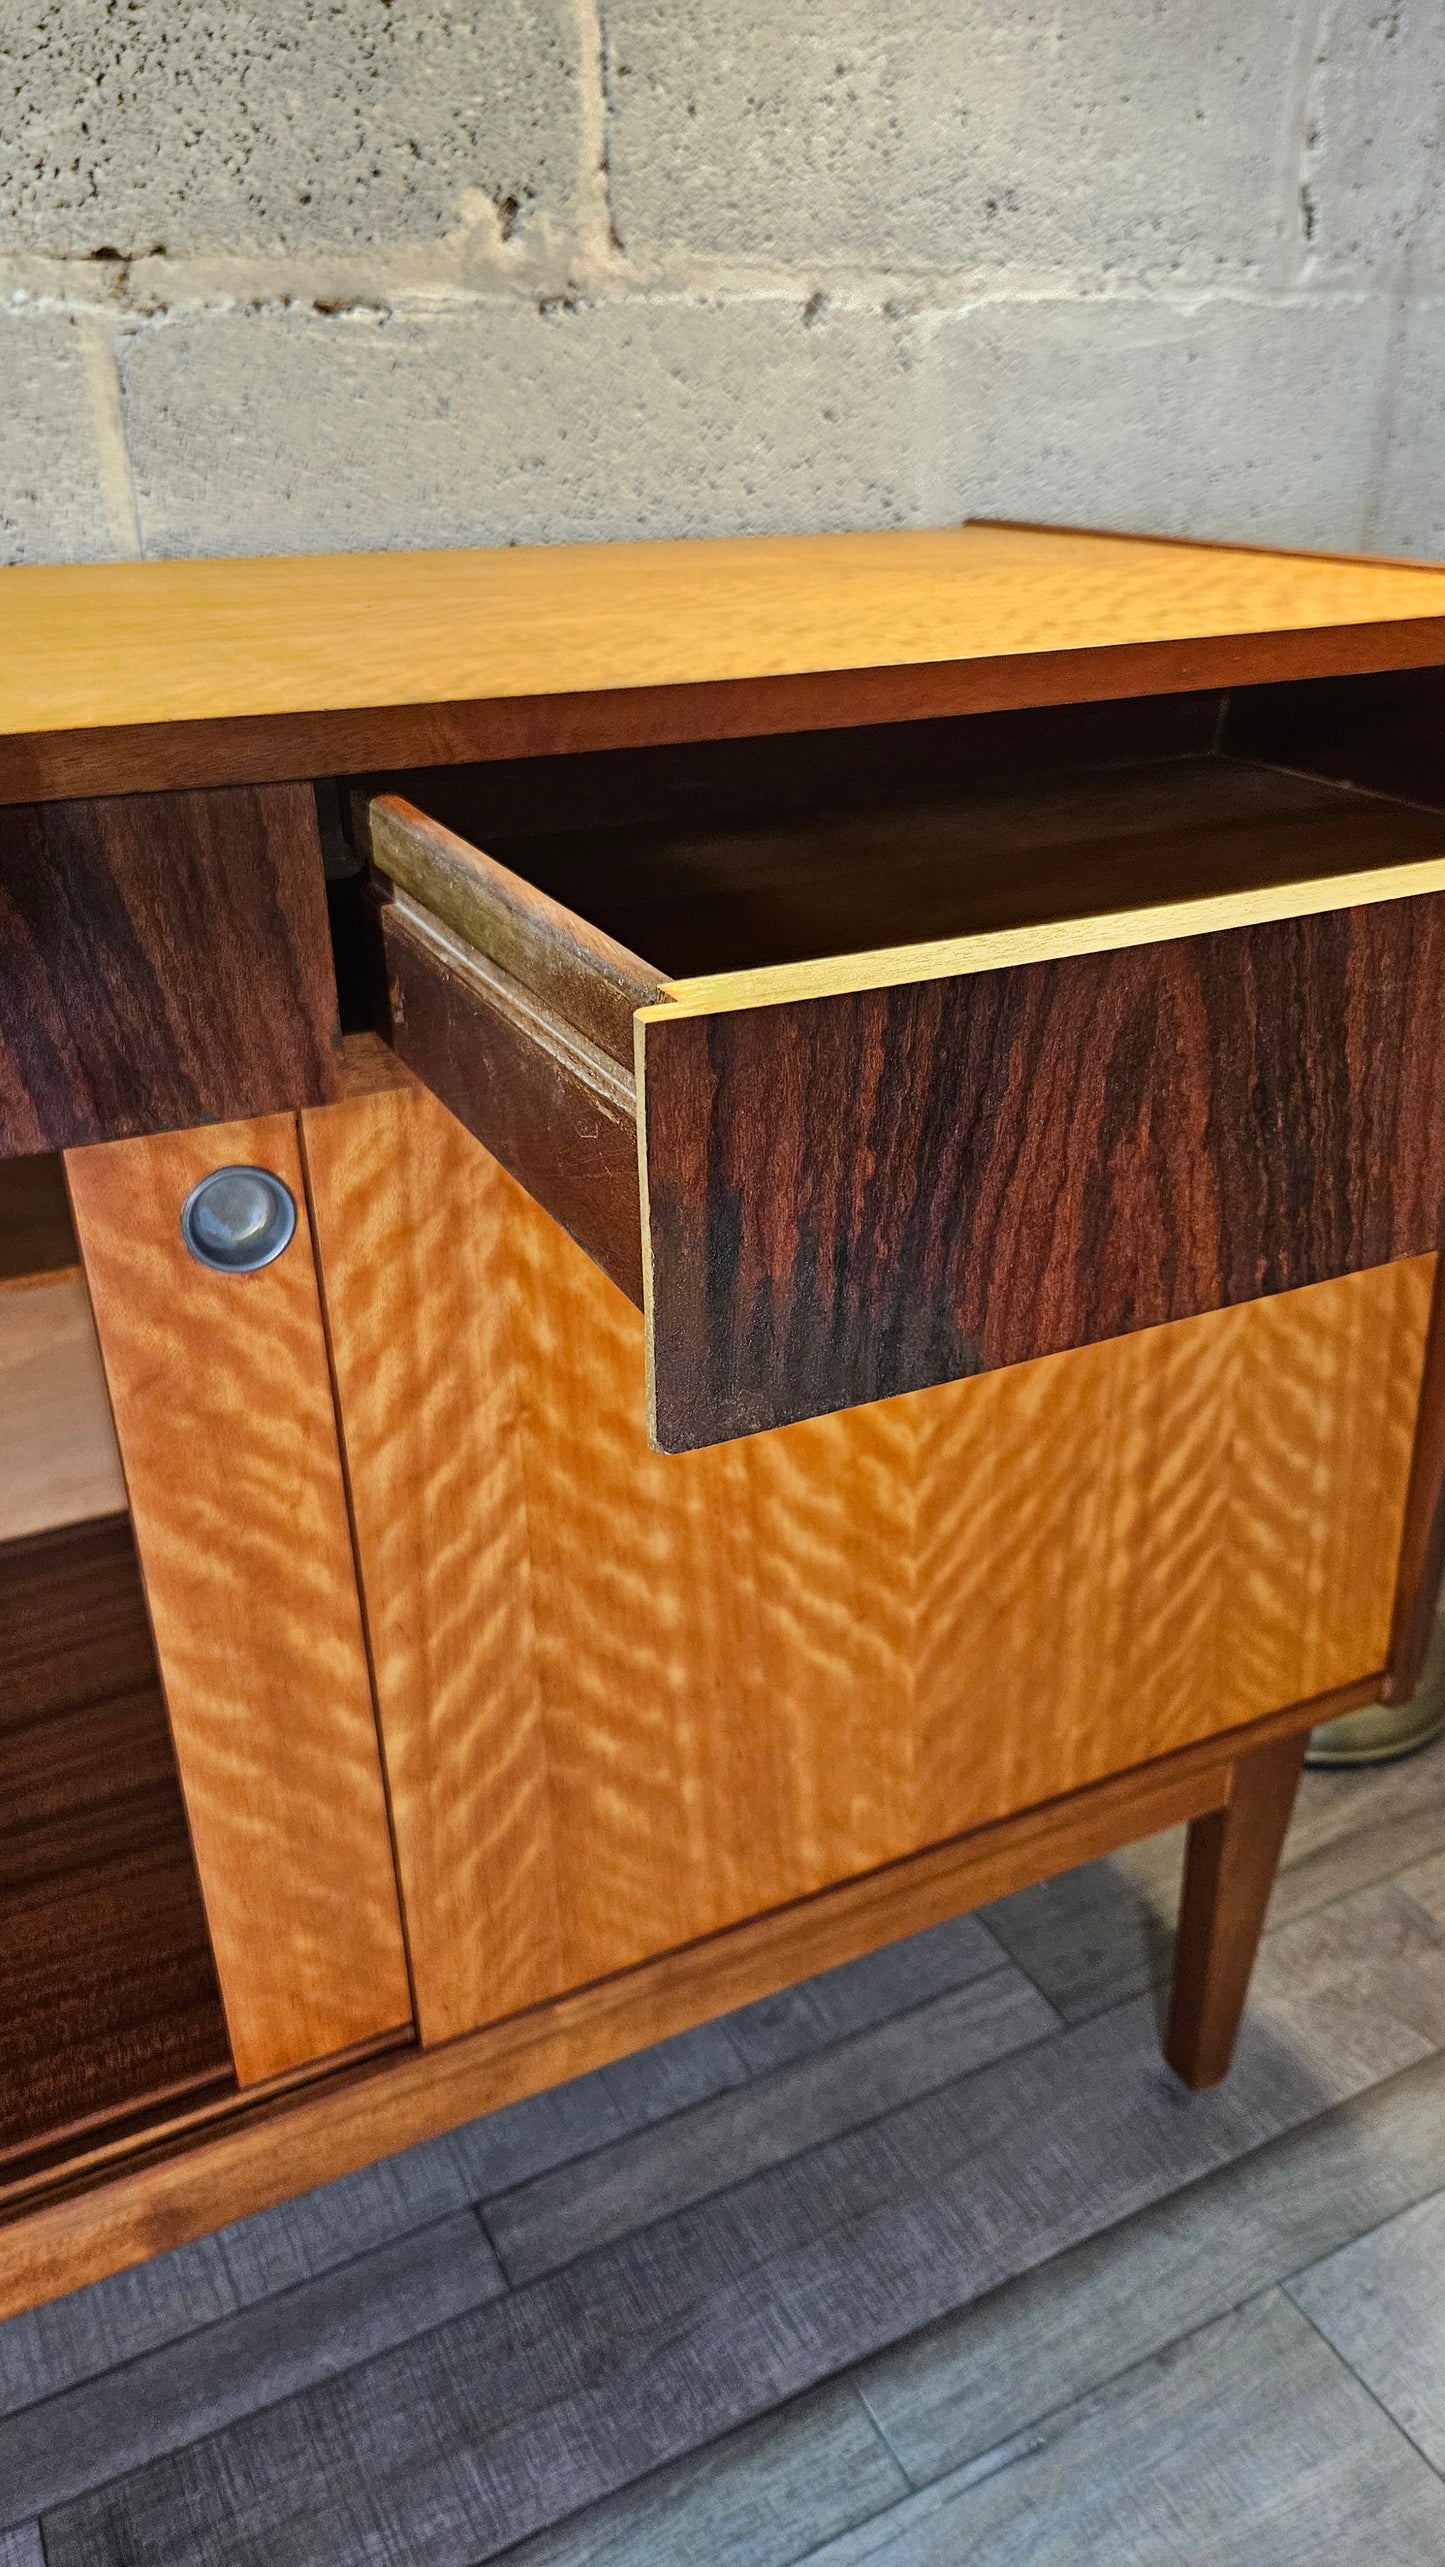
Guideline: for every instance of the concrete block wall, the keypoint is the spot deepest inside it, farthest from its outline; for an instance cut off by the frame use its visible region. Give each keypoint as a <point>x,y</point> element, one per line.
<point>293,275</point>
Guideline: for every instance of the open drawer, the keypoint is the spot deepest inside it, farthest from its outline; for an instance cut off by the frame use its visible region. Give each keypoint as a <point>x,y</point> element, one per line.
<point>861,1098</point>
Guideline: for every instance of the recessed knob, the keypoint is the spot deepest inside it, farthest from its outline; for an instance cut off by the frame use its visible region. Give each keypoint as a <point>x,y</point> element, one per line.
<point>238,1219</point>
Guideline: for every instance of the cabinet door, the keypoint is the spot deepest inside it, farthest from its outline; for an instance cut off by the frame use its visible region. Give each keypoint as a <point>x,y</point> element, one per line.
<point>223,1407</point>
<point>627,1699</point>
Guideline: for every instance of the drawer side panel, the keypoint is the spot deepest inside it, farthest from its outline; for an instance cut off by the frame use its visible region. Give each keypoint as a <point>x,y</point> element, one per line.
<point>571,1142</point>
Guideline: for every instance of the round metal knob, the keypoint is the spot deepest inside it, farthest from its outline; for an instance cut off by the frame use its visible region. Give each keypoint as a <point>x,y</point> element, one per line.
<point>238,1219</point>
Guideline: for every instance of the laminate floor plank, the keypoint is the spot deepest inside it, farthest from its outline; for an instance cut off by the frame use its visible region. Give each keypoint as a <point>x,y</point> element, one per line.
<point>797,2477</point>
<point>799,2021</point>
<point>544,2224</point>
<point>1380,2301</point>
<point>591,2112</point>
<point>49,2349</point>
<point>506,2420</point>
<point>21,2547</point>
<point>991,2370</point>
<point>602,2110</point>
<point>114,2424</point>
<point>1093,1938</point>
<point>1425,1883</point>
<point>1249,2445</point>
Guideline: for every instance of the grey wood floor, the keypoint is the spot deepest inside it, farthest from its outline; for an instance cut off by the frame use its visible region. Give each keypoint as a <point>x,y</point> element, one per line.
<point>928,2261</point>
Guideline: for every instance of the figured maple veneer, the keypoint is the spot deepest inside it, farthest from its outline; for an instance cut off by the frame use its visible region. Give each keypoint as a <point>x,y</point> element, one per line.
<point>223,1404</point>
<point>164,960</point>
<point>627,1700</point>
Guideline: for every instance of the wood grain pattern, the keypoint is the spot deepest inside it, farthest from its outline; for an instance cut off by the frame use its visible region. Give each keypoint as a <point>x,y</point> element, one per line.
<point>419,1295</point>
<point>108,1996</point>
<point>269,2151</point>
<point>222,1398</point>
<point>768,1666</point>
<point>1233,1855</point>
<point>168,641</point>
<point>164,960</point>
<point>857,1196</point>
<point>59,1462</point>
<point>1162,1534</point>
<point>75,1620</point>
<point>555,1110</point>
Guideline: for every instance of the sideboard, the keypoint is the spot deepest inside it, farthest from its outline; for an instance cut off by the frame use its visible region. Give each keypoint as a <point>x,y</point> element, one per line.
<point>827,1303</point>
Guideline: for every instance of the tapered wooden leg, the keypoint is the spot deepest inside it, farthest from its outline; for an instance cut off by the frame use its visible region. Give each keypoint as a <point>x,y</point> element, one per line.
<point>1229,1873</point>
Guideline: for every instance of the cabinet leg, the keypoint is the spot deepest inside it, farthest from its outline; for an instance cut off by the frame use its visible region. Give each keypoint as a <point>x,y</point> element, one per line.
<point>1229,1873</point>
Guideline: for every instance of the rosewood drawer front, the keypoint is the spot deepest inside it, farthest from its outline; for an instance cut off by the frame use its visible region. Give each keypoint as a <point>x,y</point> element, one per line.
<point>917,1093</point>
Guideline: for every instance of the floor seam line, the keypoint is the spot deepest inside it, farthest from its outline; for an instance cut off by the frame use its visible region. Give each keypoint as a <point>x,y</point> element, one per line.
<point>1348,2367</point>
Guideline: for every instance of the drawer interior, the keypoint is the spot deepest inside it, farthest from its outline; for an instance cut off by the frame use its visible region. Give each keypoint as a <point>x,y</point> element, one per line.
<point>752,854</point>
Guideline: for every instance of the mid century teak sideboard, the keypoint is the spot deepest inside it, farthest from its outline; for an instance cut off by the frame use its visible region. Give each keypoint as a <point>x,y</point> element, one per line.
<point>834,1311</point>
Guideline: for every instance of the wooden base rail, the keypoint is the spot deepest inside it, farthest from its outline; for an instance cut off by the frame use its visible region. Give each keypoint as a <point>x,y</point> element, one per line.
<point>201,2172</point>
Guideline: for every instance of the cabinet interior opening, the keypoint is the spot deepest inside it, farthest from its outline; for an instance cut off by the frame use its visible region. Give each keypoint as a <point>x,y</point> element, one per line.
<point>110,2012</point>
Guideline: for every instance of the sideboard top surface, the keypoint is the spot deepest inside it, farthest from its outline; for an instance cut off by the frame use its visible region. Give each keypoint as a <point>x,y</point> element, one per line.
<point>319,663</point>
<point>162,641</point>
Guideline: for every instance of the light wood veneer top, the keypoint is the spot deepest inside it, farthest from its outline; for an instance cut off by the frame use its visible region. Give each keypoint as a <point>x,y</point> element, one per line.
<point>93,645</point>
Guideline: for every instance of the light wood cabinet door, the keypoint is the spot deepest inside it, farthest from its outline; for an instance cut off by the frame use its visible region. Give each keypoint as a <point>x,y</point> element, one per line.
<point>627,1699</point>
<point>223,1406</point>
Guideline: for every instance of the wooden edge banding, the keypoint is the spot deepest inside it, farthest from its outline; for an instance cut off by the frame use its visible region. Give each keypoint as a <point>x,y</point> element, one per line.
<point>1422,1542</point>
<point>647,1246</point>
<point>54,2240</point>
<point>582,974</point>
<point>1053,940</point>
<point>138,757</point>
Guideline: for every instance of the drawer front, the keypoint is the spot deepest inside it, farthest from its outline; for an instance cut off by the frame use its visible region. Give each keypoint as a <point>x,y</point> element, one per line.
<point>870,1174</point>
<point>864,1193</point>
